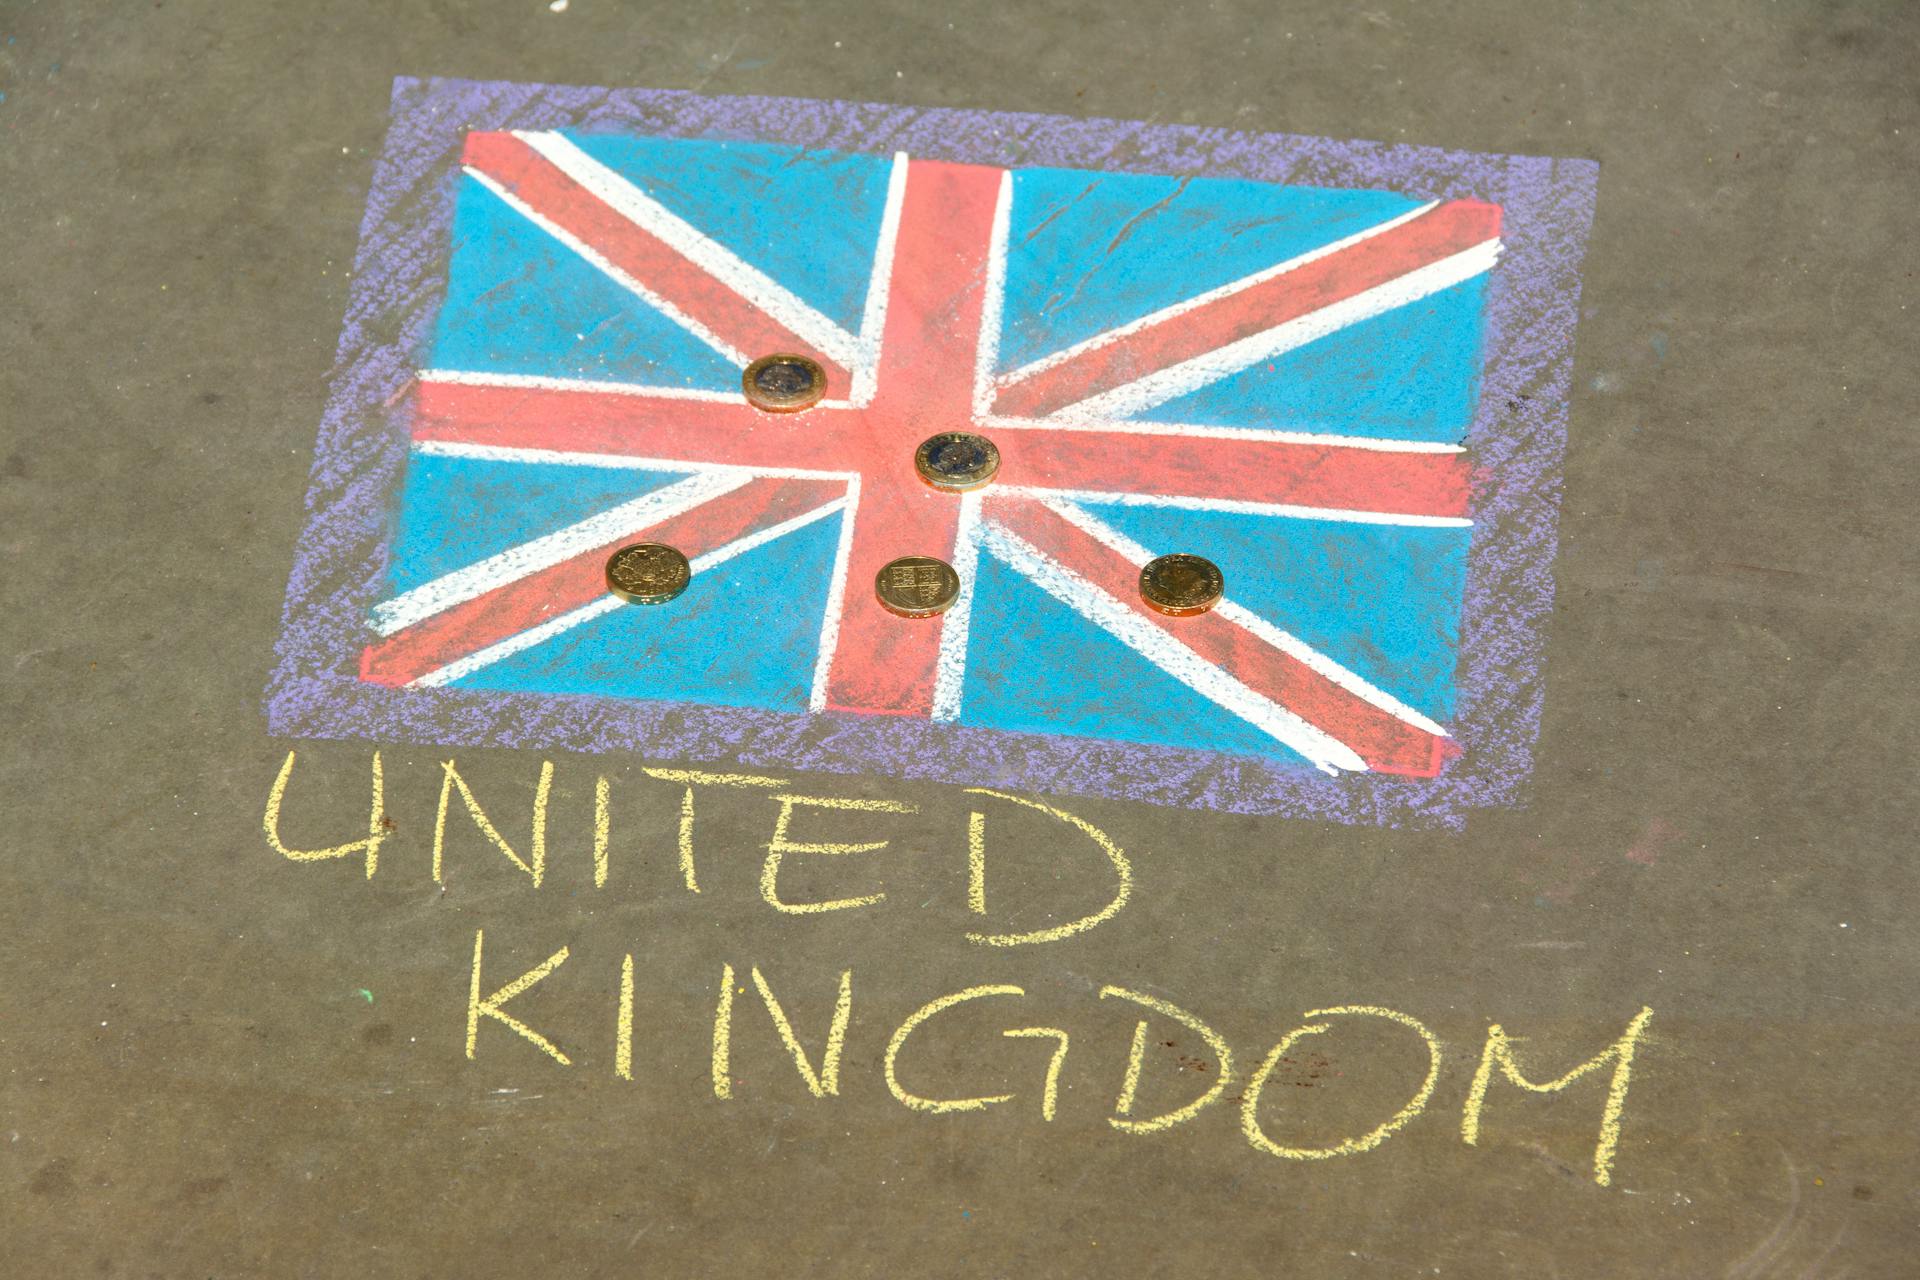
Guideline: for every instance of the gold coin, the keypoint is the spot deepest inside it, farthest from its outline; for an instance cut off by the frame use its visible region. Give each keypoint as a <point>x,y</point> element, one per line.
<point>917,586</point>
<point>784,383</point>
<point>957,460</point>
<point>648,573</point>
<point>1182,584</point>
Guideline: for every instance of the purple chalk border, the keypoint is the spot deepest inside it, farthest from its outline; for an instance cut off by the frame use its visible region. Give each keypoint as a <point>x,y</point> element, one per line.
<point>1516,440</point>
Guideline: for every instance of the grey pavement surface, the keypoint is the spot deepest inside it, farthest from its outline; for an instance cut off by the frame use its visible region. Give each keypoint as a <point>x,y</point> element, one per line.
<point>216,1062</point>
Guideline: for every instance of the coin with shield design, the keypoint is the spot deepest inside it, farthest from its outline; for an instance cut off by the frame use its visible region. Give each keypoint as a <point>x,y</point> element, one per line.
<point>917,586</point>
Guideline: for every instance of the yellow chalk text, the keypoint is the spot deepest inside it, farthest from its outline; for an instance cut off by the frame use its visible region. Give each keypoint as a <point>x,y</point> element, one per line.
<point>780,846</point>
<point>976,880</point>
<point>1499,1052</point>
<point>377,825</point>
<point>493,1006</point>
<point>1250,1100</point>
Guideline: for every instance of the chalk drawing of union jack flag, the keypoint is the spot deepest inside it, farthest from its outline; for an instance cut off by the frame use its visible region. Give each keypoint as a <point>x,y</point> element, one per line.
<point>1286,376</point>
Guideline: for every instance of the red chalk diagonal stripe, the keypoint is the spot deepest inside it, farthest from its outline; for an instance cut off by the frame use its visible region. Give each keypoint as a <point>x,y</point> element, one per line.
<point>723,312</point>
<point>1386,742</point>
<point>1264,301</point>
<point>523,603</point>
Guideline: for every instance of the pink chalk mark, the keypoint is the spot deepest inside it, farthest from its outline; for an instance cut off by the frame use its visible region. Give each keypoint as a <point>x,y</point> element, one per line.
<point>1647,849</point>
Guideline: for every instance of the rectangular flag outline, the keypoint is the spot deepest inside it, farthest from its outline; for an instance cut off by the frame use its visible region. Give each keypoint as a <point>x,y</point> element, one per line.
<point>1517,438</point>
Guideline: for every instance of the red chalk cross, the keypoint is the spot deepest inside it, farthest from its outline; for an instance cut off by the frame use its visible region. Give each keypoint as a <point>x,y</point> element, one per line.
<point>923,376</point>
